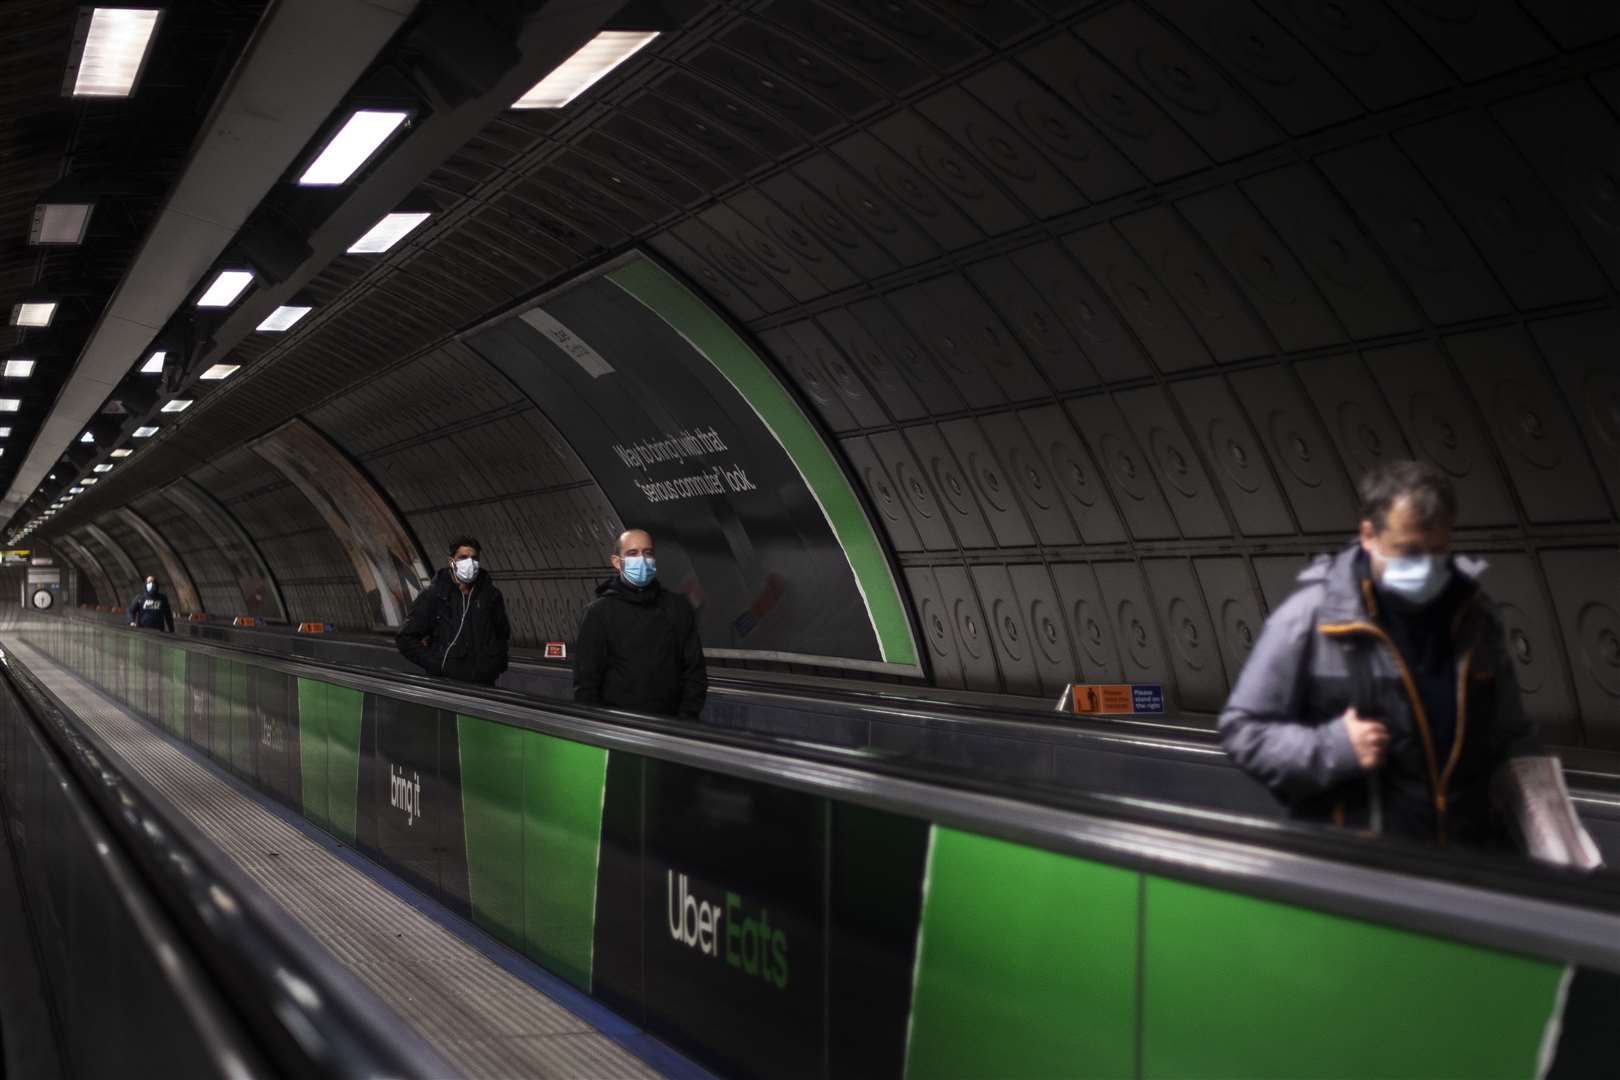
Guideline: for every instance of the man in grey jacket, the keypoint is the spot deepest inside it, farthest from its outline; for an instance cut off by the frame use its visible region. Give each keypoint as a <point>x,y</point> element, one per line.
<point>1381,694</point>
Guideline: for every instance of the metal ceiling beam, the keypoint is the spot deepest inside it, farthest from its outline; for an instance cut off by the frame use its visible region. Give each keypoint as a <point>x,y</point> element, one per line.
<point>303,59</point>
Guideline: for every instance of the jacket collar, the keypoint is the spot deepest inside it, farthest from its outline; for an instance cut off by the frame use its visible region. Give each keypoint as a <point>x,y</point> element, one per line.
<point>621,589</point>
<point>1348,594</point>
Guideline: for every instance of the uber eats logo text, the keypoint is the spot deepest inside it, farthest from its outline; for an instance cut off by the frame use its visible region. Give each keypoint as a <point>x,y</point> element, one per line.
<point>743,937</point>
<point>405,792</point>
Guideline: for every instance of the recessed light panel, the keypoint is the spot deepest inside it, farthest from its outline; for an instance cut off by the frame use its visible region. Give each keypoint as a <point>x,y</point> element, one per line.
<point>225,288</point>
<point>350,148</point>
<point>145,432</point>
<point>87,481</point>
<point>87,437</point>
<point>5,432</point>
<point>113,51</point>
<point>282,318</point>
<point>10,404</point>
<point>59,223</point>
<point>386,233</point>
<point>104,467</point>
<point>122,453</point>
<point>33,314</point>
<point>177,405</point>
<point>154,364</point>
<point>575,75</point>
<point>219,372</point>
<point>19,369</point>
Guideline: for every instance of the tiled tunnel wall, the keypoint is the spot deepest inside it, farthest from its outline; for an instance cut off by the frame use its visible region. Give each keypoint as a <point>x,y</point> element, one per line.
<point>210,571</point>
<point>460,451</point>
<point>317,580</point>
<point>1106,305</point>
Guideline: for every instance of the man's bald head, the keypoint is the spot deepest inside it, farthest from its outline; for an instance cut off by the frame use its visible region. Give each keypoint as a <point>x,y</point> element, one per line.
<point>633,542</point>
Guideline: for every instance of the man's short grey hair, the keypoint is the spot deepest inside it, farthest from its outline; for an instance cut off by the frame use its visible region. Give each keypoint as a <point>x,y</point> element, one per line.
<point>1429,491</point>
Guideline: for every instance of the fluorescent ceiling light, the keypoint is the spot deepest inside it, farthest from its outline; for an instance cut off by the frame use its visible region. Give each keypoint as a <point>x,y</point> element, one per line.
<point>59,223</point>
<point>75,490</point>
<point>574,76</point>
<point>145,432</point>
<point>386,233</point>
<point>355,141</point>
<point>87,481</point>
<point>113,51</point>
<point>179,404</point>
<point>219,371</point>
<point>33,314</point>
<point>282,318</point>
<point>4,431</point>
<point>87,437</point>
<point>154,364</point>
<point>225,288</point>
<point>122,452</point>
<point>19,369</point>
<point>10,404</point>
<point>103,467</point>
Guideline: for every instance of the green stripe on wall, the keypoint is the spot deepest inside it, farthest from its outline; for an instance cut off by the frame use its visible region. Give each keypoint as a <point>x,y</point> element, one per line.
<point>312,750</point>
<point>1026,964</point>
<point>173,708</point>
<point>329,720</point>
<point>682,309</point>
<point>1248,989</point>
<point>532,808</point>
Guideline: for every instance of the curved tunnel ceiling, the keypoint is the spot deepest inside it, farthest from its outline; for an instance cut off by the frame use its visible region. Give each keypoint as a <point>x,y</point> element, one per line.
<point>1105,306</point>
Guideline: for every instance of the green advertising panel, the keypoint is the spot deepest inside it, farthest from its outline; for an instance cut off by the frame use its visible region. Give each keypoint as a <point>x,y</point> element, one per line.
<point>1240,988</point>
<point>1026,964</point>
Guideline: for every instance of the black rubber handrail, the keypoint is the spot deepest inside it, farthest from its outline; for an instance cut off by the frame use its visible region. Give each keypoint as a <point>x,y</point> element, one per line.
<point>309,1015</point>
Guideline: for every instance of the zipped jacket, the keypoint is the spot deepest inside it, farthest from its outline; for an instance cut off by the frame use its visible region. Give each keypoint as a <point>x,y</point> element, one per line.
<point>466,635</point>
<point>1324,650</point>
<point>638,649</point>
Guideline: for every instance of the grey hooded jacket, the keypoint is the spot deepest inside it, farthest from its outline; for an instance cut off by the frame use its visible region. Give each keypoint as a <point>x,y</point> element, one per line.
<point>1324,650</point>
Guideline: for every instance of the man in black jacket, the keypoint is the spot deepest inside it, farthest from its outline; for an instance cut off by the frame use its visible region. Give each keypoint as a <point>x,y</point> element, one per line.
<point>638,646</point>
<point>457,626</point>
<point>150,609</point>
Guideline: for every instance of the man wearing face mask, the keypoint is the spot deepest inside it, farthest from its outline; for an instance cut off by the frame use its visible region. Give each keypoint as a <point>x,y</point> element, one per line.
<point>1381,695</point>
<point>458,626</point>
<point>638,646</point>
<point>150,608</point>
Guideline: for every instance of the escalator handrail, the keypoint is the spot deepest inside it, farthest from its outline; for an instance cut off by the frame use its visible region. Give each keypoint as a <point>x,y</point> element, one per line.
<point>1502,904</point>
<point>311,1016</point>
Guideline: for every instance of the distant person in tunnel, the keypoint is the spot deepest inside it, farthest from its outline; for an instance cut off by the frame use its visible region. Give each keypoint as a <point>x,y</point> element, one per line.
<point>150,609</point>
<point>457,626</point>
<point>638,646</point>
<point>1381,695</point>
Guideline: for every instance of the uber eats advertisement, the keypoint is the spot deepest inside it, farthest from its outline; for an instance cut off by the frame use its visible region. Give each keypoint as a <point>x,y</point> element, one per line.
<point>691,436</point>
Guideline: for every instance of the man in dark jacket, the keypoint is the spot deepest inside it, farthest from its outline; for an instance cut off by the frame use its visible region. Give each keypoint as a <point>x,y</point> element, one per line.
<point>457,626</point>
<point>1381,694</point>
<point>638,646</point>
<point>150,608</point>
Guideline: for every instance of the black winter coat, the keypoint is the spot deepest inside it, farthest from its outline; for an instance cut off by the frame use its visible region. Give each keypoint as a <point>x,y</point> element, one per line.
<point>638,649</point>
<point>466,635</point>
<point>151,611</point>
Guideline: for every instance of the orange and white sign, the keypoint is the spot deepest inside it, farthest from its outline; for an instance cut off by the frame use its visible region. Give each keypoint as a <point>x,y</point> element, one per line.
<point>556,650</point>
<point>1116,699</point>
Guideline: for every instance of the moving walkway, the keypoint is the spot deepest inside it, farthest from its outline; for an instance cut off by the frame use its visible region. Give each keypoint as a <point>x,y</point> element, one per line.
<point>774,907</point>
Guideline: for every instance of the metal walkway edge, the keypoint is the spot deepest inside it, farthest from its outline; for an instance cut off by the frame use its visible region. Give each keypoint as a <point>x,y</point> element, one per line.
<point>484,1020</point>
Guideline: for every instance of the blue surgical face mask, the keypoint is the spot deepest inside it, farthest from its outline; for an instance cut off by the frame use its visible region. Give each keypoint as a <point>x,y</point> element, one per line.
<point>151,586</point>
<point>640,570</point>
<point>1416,578</point>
